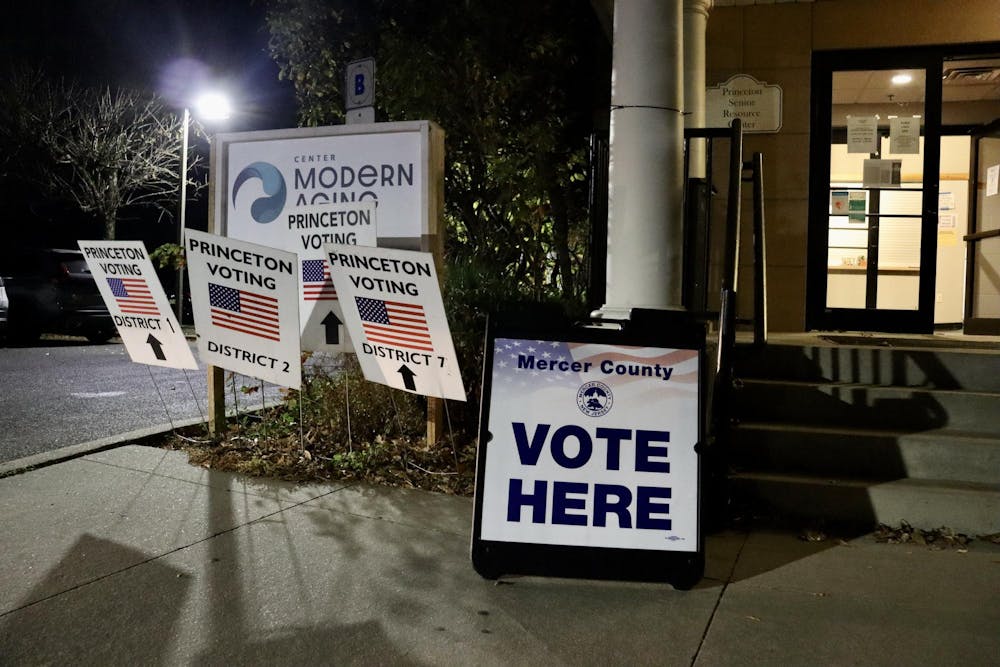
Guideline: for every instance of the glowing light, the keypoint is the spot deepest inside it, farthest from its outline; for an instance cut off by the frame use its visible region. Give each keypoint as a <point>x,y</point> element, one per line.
<point>901,79</point>
<point>213,106</point>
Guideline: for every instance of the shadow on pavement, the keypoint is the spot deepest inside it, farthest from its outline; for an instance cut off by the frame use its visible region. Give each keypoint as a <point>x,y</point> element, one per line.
<point>95,626</point>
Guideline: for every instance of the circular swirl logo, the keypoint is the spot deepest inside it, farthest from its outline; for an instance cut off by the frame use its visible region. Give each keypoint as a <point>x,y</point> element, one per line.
<point>595,399</point>
<point>263,209</point>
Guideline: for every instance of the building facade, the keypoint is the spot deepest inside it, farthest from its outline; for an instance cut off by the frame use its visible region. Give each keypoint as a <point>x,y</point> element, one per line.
<point>881,195</point>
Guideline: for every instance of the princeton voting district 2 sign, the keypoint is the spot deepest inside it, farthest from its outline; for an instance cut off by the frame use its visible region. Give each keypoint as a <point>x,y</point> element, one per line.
<point>134,297</point>
<point>395,316</point>
<point>588,446</point>
<point>245,303</point>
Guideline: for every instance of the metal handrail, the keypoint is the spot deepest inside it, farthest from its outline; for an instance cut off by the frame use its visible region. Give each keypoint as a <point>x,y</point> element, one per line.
<point>759,252</point>
<point>696,268</point>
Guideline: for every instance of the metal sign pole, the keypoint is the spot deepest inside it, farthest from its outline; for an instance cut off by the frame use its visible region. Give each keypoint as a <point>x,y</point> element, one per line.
<point>216,375</point>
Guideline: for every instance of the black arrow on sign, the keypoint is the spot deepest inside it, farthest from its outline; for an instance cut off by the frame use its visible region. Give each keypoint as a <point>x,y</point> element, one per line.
<point>408,376</point>
<point>157,347</point>
<point>332,325</point>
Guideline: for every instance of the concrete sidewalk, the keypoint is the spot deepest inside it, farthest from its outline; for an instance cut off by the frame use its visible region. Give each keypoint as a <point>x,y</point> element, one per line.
<point>132,556</point>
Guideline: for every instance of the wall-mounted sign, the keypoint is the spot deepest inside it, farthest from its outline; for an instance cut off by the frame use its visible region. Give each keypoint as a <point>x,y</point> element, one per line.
<point>299,189</point>
<point>135,299</point>
<point>756,103</point>
<point>245,302</point>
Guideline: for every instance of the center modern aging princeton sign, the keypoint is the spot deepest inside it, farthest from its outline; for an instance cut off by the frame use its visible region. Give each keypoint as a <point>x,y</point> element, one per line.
<point>393,309</point>
<point>134,297</point>
<point>593,445</point>
<point>245,303</point>
<point>299,189</point>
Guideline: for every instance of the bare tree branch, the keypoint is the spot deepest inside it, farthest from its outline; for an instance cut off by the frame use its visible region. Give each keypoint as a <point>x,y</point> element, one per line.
<point>100,149</point>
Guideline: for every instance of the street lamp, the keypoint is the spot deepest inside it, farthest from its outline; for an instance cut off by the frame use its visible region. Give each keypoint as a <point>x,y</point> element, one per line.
<point>210,106</point>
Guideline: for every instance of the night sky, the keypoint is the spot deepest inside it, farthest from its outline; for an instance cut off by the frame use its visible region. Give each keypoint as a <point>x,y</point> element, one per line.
<point>172,47</point>
<point>165,45</point>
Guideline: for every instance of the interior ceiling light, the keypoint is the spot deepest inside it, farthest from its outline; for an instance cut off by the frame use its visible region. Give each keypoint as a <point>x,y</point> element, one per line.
<point>901,79</point>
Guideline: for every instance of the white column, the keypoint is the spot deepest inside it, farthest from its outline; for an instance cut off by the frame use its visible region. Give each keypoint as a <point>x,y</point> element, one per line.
<point>645,230</point>
<point>695,25</point>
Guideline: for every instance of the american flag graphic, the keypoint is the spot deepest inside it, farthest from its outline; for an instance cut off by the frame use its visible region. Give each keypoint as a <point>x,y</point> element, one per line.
<point>246,312</point>
<point>133,296</point>
<point>394,323</point>
<point>316,282</point>
<point>506,372</point>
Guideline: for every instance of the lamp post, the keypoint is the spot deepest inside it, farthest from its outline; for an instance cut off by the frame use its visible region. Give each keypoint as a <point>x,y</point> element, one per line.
<point>210,106</point>
<point>182,213</point>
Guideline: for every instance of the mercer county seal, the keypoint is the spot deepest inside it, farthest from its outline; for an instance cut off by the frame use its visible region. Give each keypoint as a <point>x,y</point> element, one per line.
<point>595,399</point>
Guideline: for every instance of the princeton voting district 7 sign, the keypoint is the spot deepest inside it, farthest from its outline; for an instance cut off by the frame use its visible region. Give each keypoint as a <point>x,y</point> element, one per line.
<point>394,313</point>
<point>135,299</point>
<point>245,303</point>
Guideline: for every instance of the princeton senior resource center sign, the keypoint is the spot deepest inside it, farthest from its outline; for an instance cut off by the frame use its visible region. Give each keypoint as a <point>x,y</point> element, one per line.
<point>755,103</point>
<point>300,189</point>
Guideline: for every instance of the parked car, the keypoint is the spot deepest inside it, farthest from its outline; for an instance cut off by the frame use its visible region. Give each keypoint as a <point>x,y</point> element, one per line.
<point>53,291</point>
<point>3,310</point>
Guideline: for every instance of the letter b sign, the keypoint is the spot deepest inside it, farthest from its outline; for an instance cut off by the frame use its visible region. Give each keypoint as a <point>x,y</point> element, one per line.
<point>359,84</point>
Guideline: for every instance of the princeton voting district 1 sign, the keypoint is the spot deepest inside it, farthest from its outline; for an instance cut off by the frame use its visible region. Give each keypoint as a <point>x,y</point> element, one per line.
<point>588,446</point>
<point>245,303</point>
<point>135,299</point>
<point>394,313</point>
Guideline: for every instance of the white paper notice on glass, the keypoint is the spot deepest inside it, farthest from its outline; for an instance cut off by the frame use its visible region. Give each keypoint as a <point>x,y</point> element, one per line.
<point>992,180</point>
<point>904,135</point>
<point>882,173</point>
<point>862,134</point>
<point>946,201</point>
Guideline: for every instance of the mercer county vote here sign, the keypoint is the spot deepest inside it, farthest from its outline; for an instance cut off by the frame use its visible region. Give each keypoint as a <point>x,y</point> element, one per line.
<point>593,445</point>
<point>135,299</point>
<point>395,316</point>
<point>245,303</point>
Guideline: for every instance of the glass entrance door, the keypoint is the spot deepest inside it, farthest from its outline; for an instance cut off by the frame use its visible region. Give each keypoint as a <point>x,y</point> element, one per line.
<point>983,241</point>
<point>873,214</point>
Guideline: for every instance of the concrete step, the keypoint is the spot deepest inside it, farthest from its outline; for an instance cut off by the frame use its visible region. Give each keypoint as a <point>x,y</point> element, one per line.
<point>976,369</point>
<point>864,406</point>
<point>965,507</point>
<point>868,453</point>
